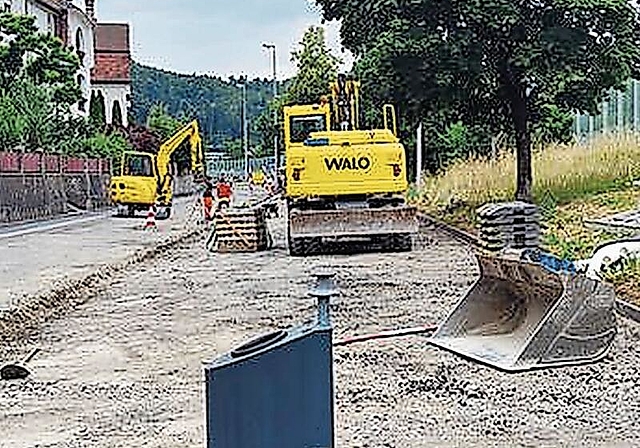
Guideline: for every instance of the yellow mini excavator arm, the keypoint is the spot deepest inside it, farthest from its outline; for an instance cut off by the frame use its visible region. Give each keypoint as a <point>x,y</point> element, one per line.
<point>192,132</point>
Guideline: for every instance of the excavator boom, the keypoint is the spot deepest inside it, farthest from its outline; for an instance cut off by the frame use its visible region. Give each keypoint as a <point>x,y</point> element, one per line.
<point>190,131</point>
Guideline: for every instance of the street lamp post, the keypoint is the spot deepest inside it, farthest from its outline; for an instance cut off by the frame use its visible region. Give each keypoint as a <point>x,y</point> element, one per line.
<point>275,111</point>
<point>245,127</point>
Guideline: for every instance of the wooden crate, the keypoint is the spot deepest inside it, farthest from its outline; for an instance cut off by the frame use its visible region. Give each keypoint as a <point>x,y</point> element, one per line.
<point>241,230</point>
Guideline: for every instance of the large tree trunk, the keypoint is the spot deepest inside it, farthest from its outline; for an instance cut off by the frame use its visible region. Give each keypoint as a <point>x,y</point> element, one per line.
<point>523,146</point>
<point>516,92</point>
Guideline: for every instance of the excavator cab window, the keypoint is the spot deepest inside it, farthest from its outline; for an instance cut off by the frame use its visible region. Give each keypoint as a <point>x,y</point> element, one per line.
<point>303,126</point>
<point>139,166</point>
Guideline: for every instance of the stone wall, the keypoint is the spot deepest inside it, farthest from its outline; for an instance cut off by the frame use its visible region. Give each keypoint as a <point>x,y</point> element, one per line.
<point>25,197</point>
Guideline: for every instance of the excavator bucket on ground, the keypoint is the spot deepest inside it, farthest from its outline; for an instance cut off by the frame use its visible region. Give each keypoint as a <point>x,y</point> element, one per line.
<point>523,315</point>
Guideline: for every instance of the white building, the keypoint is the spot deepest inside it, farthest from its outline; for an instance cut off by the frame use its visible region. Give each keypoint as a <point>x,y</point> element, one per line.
<point>111,76</point>
<point>47,13</point>
<point>106,62</point>
<point>81,25</point>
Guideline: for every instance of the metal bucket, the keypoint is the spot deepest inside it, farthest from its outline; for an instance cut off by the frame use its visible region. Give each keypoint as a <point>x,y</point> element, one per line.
<point>522,315</point>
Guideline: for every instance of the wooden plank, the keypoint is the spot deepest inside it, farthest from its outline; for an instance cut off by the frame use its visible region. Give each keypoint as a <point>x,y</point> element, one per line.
<point>229,247</point>
<point>224,225</point>
<point>244,238</point>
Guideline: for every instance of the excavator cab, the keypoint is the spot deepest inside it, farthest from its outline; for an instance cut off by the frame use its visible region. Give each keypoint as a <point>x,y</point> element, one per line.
<point>135,188</point>
<point>138,164</point>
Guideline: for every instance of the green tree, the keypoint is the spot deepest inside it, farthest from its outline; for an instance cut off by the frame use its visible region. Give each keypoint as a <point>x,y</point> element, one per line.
<point>214,101</point>
<point>97,110</point>
<point>161,122</point>
<point>35,109</point>
<point>42,58</point>
<point>234,147</point>
<point>68,135</point>
<point>166,126</point>
<point>317,68</point>
<point>106,145</point>
<point>495,63</point>
<point>116,115</point>
<point>12,125</point>
<point>265,127</point>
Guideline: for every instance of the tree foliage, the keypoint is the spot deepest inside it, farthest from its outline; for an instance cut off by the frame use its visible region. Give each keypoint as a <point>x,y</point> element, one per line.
<point>161,122</point>
<point>116,115</point>
<point>37,89</point>
<point>143,139</point>
<point>317,67</point>
<point>29,122</point>
<point>503,65</point>
<point>216,103</point>
<point>97,110</point>
<point>41,58</point>
<point>165,126</point>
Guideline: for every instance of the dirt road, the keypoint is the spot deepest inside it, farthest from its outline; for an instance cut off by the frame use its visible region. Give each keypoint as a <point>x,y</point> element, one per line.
<point>38,256</point>
<point>125,370</point>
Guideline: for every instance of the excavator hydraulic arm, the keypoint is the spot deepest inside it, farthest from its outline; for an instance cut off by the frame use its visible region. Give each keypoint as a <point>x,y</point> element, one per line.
<point>192,132</point>
<point>345,94</point>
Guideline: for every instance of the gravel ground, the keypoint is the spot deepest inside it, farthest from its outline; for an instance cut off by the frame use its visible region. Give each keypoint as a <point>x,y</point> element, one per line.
<point>125,369</point>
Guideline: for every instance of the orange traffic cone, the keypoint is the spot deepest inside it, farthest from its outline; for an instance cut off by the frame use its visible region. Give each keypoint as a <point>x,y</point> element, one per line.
<point>151,219</point>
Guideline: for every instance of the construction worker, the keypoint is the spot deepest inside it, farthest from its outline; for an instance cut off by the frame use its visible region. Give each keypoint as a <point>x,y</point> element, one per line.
<point>224,192</point>
<point>207,199</point>
<point>258,178</point>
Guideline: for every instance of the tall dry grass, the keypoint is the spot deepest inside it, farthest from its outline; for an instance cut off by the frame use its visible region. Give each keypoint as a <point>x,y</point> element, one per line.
<point>567,172</point>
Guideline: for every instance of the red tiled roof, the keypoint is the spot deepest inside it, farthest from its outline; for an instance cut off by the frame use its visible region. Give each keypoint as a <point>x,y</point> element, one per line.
<point>112,37</point>
<point>111,68</point>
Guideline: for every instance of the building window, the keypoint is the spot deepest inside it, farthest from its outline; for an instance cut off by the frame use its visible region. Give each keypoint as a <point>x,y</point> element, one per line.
<point>82,104</point>
<point>80,47</point>
<point>51,24</point>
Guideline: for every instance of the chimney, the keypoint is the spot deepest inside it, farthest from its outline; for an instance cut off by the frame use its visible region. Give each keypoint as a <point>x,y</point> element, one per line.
<point>91,8</point>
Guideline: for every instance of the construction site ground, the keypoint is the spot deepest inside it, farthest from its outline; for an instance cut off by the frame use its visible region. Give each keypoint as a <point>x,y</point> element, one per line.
<point>125,369</point>
<point>38,256</point>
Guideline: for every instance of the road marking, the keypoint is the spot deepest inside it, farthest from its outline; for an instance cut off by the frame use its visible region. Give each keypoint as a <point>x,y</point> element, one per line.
<point>47,228</point>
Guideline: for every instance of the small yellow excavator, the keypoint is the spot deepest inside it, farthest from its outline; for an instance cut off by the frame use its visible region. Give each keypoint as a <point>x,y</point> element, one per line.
<point>145,179</point>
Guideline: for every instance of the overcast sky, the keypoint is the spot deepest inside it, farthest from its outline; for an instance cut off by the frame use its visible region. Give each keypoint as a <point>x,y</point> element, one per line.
<point>220,37</point>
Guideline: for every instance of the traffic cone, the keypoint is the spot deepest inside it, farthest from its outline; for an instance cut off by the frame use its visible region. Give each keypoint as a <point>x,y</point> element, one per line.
<point>151,219</point>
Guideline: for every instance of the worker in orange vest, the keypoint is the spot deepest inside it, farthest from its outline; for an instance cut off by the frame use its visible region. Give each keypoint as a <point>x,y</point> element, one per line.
<point>207,199</point>
<point>224,192</point>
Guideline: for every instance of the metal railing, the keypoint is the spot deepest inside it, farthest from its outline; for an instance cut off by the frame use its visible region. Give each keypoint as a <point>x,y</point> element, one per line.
<point>236,167</point>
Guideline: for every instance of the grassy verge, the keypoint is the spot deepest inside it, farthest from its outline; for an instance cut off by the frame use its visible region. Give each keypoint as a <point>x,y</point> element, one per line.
<point>572,184</point>
<point>627,281</point>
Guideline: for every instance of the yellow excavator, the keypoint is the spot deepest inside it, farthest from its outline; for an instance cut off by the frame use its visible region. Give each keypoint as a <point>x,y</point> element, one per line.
<point>344,183</point>
<point>145,179</point>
